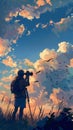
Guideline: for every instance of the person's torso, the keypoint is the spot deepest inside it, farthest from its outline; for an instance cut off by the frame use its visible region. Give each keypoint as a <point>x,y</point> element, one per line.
<point>22,89</point>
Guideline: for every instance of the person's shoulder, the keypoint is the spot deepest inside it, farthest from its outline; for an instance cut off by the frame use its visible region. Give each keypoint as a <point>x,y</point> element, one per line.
<point>13,81</point>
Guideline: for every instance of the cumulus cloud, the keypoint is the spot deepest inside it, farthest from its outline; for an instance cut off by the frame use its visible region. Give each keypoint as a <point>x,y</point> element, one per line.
<point>14,31</point>
<point>28,12</point>
<point>53,77</point>
<point>11,31</point>
<point>13,9</point>
<point>65,47</point>
<point>4,47</point>
<point>63,24</point>
<point>5,8</point>
<point>9,62</point>
<point>53,65</point>
<point>54,97</point>
<point>7,78</point>
<point>48,54</point>
<point>52,81</point>
<point>60,96</point>
<point>28,62</point>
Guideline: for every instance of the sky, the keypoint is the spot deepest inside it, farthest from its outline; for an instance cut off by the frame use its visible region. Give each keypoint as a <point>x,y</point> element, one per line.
<point>37,35</point>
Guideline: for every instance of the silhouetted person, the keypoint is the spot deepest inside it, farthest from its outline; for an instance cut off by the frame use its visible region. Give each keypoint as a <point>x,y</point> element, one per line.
<point>18,88</point>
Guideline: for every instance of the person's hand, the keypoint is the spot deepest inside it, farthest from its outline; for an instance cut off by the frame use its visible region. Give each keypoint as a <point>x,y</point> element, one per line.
<point>27,74</point>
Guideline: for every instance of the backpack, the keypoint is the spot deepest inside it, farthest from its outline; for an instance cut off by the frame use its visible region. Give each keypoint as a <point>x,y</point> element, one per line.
<point>15,86</point>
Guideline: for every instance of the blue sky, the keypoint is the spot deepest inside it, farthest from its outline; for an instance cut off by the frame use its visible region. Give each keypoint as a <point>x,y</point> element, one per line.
<point>32,32</point>
<point>41,38</point>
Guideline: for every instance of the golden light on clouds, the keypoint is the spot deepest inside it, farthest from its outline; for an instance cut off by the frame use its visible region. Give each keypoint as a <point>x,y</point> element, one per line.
<point>40,2</point>
<point>49,2</point>
<point>43,2</point>
<point>71,62</point>
<point>48,54</point>
<point>63,46</point>
<point>7,79</point>
<point>9,62</point>
<point>26,14</point>
<point>11,14</point>
<point>4,47</point>
<point>53,96</point>
<point>21,29</point>
<point>28,62</point>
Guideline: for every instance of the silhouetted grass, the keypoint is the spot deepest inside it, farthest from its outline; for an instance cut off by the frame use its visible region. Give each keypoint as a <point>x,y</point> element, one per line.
<point>6,122</point>
<point>63,121</point>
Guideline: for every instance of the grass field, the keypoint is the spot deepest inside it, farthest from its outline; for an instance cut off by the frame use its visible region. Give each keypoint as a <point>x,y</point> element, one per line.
<point>63,121</point>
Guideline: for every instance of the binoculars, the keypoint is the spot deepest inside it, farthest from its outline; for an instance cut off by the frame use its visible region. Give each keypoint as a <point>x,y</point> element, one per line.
<point>28,73</point>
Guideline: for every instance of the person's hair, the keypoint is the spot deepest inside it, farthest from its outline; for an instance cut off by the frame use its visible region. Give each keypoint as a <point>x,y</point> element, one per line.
<point>20,73</point>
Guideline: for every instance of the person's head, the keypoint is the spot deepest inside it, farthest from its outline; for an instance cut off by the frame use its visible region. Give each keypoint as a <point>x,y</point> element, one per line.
<point>20,73</point>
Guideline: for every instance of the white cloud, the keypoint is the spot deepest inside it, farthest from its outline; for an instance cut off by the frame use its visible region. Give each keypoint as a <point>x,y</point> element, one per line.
<point>55,4</point>
<point>28,62</point>
<point>14,31</point>
<point>37,25</point>
<point>28,12</point>
<point>64,97</point>
<point>54,76</point>
<point>65,47</point>
<point>28,33</point>
<point>9,62</point>
<point>48,54</point>
<point>7,78</point>
<point>13,9</point>
<point>44,26</point>
<point>4,47</point>
<point>53,96</point>
<point>53,80</point>
<point>63,24</point>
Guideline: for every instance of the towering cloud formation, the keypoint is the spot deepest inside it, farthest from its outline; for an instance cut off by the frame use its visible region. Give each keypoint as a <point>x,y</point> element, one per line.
<point>48,54</point>
<point>55,80</point>
<point>52,80</point>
